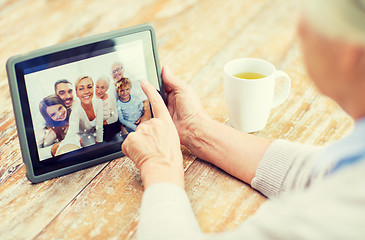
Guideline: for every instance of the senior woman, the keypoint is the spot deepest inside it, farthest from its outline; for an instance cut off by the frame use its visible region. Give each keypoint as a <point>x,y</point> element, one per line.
<point>110,115</point>
<point>319,193</point>
<point>86,119</point>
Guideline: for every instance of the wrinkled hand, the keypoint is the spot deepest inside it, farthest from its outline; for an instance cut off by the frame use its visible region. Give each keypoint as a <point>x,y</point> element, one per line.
<point>155,146</point>
<point>183,104</point>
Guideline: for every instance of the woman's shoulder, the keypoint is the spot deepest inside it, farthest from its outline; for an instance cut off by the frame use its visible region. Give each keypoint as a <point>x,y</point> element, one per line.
<point>76,106</point>
<point>97,101</point>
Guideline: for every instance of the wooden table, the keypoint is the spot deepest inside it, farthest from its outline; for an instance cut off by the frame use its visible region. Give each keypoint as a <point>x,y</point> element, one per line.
<point>195,39</point>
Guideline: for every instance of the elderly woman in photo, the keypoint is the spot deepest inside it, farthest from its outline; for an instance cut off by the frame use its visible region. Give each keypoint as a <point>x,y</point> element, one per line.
<point>86,120</point>
<point>110,115</point>
<point>56,116</point>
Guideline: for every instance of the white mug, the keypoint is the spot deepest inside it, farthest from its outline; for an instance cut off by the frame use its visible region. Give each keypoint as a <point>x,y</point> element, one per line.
<point>249,101</point>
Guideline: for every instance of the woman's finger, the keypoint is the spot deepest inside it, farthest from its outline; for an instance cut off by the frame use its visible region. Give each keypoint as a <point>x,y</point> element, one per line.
<point>157,104</point>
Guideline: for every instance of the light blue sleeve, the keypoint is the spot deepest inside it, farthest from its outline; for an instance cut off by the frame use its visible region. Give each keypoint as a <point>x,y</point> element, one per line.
<point>123,121</point>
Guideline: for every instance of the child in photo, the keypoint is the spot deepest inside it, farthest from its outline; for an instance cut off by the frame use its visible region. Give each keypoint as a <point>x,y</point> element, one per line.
<point>130,107</point>
<point>56,116</point>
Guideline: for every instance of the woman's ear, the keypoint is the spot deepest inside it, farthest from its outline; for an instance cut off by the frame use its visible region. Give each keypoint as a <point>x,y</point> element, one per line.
<point>352,60</point>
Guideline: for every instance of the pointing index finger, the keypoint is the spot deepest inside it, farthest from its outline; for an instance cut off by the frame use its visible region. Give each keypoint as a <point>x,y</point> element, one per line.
<point>158,106</point>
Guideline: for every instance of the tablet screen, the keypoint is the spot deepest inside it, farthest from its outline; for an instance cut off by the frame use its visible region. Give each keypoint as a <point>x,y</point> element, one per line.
<point>80,103</point>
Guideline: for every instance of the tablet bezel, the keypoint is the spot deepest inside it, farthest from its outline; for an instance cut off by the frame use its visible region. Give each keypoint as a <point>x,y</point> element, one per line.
<point>37,171</point>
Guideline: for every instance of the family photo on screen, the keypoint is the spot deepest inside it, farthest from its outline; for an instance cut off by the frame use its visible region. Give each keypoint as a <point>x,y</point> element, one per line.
<point>85,112</point>
<point>80,111</point>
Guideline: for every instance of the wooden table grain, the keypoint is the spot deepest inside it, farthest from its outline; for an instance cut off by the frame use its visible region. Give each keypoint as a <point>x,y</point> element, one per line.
<point>195,38</point>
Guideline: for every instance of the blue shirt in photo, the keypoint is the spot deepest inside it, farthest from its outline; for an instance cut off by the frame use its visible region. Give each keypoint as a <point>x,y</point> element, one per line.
<point>129,112</point>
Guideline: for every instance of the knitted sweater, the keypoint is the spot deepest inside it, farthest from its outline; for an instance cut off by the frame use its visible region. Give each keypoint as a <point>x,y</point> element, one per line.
<point>306,203</point>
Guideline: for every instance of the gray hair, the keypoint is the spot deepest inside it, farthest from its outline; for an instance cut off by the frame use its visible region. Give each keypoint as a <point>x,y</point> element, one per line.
<point>344,19</point>
<point>106,79</point>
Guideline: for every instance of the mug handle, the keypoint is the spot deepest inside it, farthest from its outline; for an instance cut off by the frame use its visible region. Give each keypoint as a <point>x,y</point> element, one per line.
<point>280,98</point>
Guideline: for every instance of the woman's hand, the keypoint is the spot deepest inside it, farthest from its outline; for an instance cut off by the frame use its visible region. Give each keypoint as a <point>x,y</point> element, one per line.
<point>155,146</point>
<point>233,151</point>
<point>184,107</point>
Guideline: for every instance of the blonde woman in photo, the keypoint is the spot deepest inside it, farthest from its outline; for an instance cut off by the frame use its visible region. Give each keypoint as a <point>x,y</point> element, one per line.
<point>86,120</point>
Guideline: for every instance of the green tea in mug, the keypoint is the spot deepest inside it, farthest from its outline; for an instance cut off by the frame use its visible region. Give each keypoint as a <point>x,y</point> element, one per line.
<point>249,75</point>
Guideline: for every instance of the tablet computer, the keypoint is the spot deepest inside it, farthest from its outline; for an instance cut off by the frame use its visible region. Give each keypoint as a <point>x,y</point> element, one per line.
<point>76,102</point>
